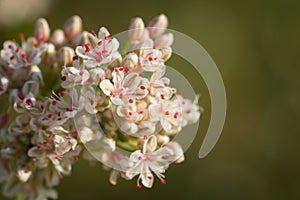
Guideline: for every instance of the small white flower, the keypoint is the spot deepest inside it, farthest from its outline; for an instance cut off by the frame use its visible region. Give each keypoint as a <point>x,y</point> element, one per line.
<point>125,89</point>
<point>100,51</point>
<point>28,54</point>
<point>149,160</point>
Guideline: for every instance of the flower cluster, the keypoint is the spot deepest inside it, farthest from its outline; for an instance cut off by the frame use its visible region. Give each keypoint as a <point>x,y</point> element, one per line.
<point>104,104</point>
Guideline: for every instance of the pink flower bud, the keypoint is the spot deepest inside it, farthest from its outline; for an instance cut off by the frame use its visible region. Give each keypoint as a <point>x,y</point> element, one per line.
<point>165,40</point>
<point>58,38</point>
<point>136,28</point>
<point>42,30</point>
<point>73,26</point>
<point>158,25</point>
<point>65,56</point>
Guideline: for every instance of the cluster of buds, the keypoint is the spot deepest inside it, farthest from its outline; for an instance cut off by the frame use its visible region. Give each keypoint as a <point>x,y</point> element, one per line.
<point>111,102</point>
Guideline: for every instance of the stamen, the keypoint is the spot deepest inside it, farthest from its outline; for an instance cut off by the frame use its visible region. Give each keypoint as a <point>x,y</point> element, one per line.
<point>99,43</point>
<point>64,78</point>
<point>87,47</point>
<point>143,87</point>
<point>21,36</point>
<point>163,181</point>
<point>75,58</point>
<point>130,101</point>
<point>76,158</point>
<point>93,32</point>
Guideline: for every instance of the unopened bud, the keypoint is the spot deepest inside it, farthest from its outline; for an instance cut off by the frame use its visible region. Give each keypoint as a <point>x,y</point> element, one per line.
<point>166,53</point>
<point>136,28</point>
<point>58,38</point>
<point>130,61</point>
<point>42,30</point>
<point>80,39</point>
<point>50,55</point>
<point>65,56</point>
<point>158,25</point>
<point>165,40</point>
<point>73,26</point>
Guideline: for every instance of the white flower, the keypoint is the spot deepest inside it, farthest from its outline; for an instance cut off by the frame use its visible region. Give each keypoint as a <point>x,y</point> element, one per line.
<point>190,111</point>
<point>72,76</point>
<point>125,88</point>
<point>100,51</point>
<point>168,113</point>
<point>149,160</point>
<point>28,54</point>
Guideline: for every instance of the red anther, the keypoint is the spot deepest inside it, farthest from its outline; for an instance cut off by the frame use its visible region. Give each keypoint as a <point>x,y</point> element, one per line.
<point>17,50</point>
<point>162,96</point>
<point>179,93</point>
<point>10,46</point>
<point>139,158</point>
<point>21,36</point>
<point>21,97</point>
<point>76,158</point>
<point>62,92</point>
<point>138,186</point>
<point>68,109</point>
<point>53,103</point>
<point>33,159</point>
<point>167,113</point>
<point>107,38</point>
<point>126,71</point>
<point>64,78</point>
<point>93,32</point>
<point>130,101</point>
<point>58,114</point>
<point>12,57</point>
<point>38,147</point>
<point>149,177</point>
<point>99,43</point>
<point>50,136</point>
<point>44,143</point>
<point>121,68</point>
<point>87,47</point>
<point>49,116</point>
<point>142,74</point>
<point>116,70</point>
<point>150,58</point>
<point>36,46</point>
<point>143,87</point>
<point>163,181</point>
<point>130,113</point>
<point>176,115</point>
<point>75,58</point>
<point>24,56</point>
<point>60,177</point>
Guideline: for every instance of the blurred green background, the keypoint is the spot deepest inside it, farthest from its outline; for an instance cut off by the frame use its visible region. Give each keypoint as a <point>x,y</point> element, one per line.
<point>256,47</point>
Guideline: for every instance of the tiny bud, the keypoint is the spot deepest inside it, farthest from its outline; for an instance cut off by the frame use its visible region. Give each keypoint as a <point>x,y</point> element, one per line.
<point>58,38</point>
<point>158,25</point>
<point>42,30</point>
<point>73,26</point>
<point>166,53</point>
<point>136,28</point>
<point>50,55</point>
<point>165,40</point>
<point>80,39</point>
<point>65,56</point>
<point>130,61</point>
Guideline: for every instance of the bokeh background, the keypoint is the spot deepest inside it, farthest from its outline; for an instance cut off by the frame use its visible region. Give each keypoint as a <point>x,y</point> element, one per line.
<point>256,46</point>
